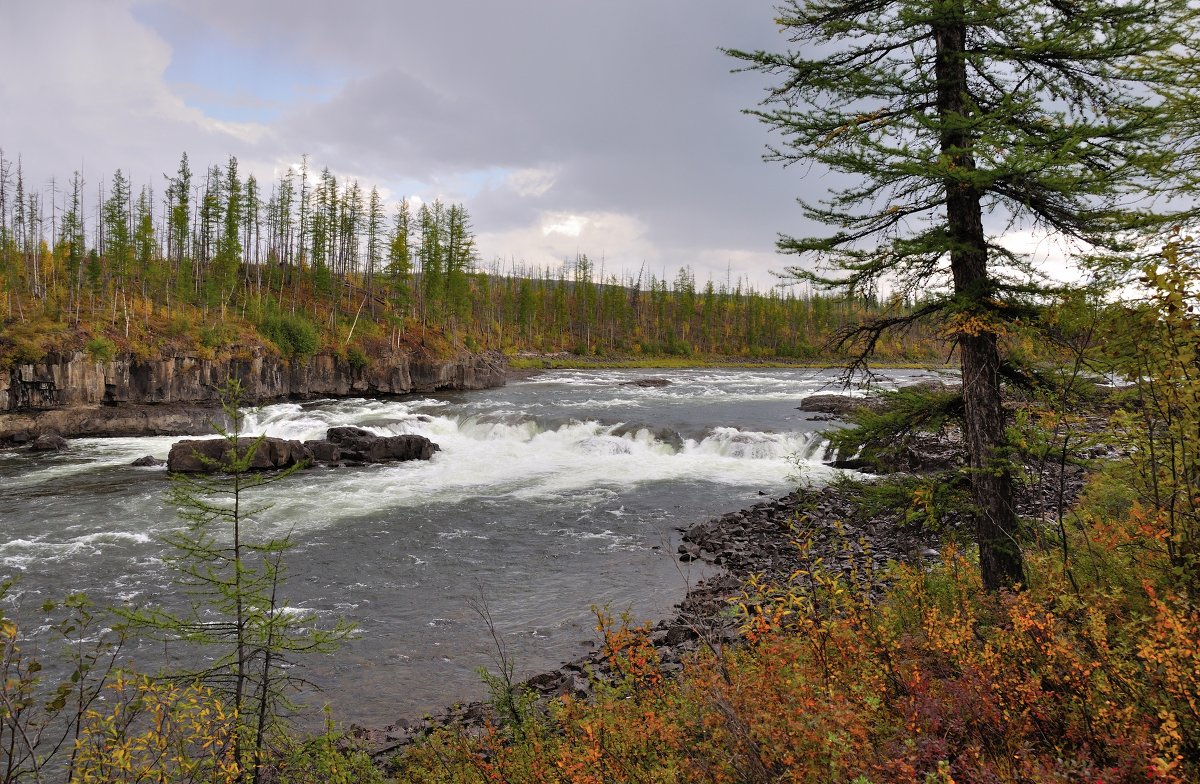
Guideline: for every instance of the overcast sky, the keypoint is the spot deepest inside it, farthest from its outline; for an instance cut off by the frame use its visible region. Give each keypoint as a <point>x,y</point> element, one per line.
<point>610,128</point>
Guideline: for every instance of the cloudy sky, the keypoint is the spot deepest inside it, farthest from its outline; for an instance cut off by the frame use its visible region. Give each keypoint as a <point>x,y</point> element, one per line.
<point>609,128</point>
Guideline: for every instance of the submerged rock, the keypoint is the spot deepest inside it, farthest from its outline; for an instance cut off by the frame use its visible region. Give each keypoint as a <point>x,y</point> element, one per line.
<point>48,442</point>
<point>148,460</point>
<point>647,382</point>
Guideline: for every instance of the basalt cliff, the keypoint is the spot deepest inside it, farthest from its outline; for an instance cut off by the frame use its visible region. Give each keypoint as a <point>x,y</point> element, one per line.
<point>74,395</point>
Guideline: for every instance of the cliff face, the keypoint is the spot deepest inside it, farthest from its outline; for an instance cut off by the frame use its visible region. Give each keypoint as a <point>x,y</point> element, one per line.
<point>76,396</point>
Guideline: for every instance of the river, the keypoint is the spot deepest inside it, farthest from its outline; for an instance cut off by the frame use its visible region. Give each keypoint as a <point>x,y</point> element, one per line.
<point>551,494</point>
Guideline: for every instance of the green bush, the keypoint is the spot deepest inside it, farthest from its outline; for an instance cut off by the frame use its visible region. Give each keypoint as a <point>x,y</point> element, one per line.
<point>357,358</point>
<point>295,335</point>
<point>215,336</point>
<point>101,349</point>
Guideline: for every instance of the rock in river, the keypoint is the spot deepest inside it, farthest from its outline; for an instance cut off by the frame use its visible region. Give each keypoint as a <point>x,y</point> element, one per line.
<point>205,455</point>
<point>48,442</point>
<point>349,444</point>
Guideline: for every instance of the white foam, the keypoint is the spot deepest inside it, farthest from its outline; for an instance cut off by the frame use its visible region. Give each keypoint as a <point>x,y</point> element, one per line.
<point>492,447</point>
<point>106,537</point>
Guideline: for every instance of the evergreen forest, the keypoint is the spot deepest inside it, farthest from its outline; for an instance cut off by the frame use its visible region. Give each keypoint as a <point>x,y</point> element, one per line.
<point>213,260</point>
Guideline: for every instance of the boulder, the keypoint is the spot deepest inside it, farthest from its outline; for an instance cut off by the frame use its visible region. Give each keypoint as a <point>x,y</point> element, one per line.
<point>839,405</point>
<point>324,451</point>
<point>646,382</point>
<point>351,444</point>
<point>366,447</point>
<point>147,461</point>
<point>345,433</point>
<point>48,442</point>
<point>208,454</point>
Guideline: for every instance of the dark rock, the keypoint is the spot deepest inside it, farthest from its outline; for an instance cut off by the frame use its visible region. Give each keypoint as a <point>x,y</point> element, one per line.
<point>351,444</point>
<point>347,435</point>
<point>48,442</point>
<point>576,686</point>
<point>678,635</point>
<point>546,682</point>
<point>324,451</point>
<point>212,454</point>
<point>177,394</point>
<point>647,382</point>
<point>148,461</point>
<point>839,404</point>
<point>850,463</point>
<point>362,445</point>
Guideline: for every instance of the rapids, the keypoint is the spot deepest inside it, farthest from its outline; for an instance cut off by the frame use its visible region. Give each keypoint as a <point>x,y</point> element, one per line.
<point>552,494</point>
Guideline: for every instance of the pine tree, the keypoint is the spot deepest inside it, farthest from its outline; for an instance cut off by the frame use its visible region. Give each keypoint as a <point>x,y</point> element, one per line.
<point>431,252</point>
<point>944,111</point>
<point>459,261</point>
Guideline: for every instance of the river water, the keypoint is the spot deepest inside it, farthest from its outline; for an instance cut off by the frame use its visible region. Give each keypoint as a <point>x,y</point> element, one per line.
<point>551,494</point>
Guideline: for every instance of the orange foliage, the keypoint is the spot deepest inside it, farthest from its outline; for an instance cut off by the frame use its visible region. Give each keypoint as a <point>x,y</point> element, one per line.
<point>939,682</point>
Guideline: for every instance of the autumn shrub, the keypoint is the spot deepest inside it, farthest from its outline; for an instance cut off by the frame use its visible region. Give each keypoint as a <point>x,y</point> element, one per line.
<point>159,732</point>
<point>938,681</point>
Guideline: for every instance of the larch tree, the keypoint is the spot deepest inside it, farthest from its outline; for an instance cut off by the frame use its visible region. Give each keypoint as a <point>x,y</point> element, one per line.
<point>400,257</point>
<point>117,244</point>
<point>942,117</point>
<point>229,243</point>
<point>375,242</point>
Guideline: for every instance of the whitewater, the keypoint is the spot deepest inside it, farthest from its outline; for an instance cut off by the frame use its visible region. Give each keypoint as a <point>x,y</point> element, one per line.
<point>550,495</point>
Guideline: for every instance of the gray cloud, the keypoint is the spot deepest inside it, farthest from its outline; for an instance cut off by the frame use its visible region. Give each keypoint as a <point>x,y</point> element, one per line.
<point>521,109</point>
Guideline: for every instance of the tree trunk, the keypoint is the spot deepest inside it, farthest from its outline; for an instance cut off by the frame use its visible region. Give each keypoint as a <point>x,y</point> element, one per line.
<point>1000,561</point>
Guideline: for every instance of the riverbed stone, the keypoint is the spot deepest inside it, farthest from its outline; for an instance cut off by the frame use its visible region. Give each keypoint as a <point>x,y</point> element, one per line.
<point>148,461</point>
<point>205,455</point>
<point>350,444</point>
<point>647,382</point>
<point>48,442</point>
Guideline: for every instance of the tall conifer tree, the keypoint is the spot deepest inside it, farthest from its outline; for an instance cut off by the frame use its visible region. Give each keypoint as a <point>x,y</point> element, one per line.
<point>942,112</point>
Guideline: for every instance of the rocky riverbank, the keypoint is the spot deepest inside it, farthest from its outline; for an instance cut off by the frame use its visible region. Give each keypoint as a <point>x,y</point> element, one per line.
<point>73,395</point>
<point>773,538</point>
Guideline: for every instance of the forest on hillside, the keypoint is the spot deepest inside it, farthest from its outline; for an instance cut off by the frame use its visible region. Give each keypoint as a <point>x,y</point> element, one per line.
<point>213,259</point>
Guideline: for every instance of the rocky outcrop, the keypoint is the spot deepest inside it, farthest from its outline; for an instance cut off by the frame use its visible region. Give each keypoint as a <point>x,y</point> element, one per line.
<point>205,455</point>
<point>178,394</point>
<point>358,445</point>
<point>162,419</point>
<point>840,405</point>
<point>343,445</point>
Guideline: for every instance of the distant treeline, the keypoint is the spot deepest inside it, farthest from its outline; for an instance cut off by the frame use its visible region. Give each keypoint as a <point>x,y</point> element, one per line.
<point>309,261</point>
